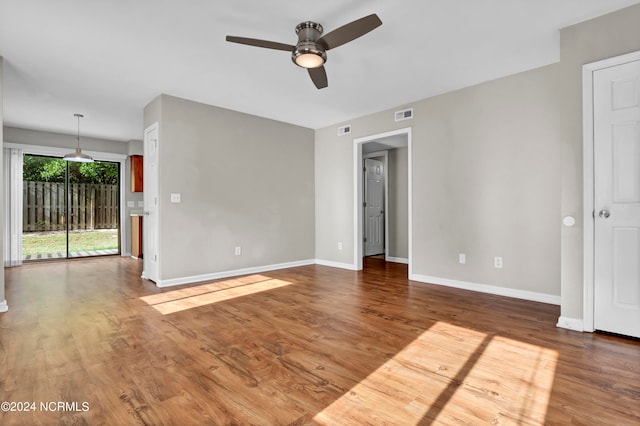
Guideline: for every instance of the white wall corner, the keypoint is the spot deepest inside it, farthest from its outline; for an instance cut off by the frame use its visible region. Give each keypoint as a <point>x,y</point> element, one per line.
<point>3,306</point>
<point>570,324</point>
<point>332,264</point>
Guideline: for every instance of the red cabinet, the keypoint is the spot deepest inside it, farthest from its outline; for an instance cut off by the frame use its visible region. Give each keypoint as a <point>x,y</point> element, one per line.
<point>136,173</point>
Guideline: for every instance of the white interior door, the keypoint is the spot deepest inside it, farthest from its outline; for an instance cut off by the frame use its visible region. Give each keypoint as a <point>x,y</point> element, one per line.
<point>150,221</point>
<point>374,207</point>
<point>616,97</point>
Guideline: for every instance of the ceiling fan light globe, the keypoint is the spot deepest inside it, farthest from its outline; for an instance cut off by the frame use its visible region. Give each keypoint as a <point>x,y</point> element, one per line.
<point>309,60</point>
<point>308,55</point>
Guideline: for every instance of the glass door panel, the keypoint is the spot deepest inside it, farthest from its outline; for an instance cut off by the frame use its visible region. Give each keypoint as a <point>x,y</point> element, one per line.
<point>94,210</point>
<point>44,230</point>
<point>69,209</point>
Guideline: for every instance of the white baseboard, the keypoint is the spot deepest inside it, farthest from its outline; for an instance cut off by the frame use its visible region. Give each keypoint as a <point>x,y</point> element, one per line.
<point>3,306</point>
<point>333,264</point>
<point>226,274</point>
<point>570,324</point>
<point>483,288</point>
<point>397,260</point>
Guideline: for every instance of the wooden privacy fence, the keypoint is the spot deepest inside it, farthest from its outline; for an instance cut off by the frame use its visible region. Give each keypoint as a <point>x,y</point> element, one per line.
<point>91,206</point>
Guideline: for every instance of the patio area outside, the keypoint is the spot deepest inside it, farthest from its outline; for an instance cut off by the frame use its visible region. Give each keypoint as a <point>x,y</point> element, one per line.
<point>53,244</point>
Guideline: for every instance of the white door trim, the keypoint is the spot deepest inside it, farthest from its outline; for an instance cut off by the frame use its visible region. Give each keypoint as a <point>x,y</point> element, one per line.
<point>151,271</point>
<point>588,181</point>
<point>358,194</point>
<point>54,151</point>
<point>13,185</point>
<point>100,156</point>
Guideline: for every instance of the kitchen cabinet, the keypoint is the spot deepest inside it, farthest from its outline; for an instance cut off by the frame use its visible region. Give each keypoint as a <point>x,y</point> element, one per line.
<point>136,236</point>
<point>136,173</point>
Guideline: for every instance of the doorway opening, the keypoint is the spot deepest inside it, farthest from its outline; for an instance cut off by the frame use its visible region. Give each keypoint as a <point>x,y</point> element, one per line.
<point>14,179</point>
<point>69,209</point>
<point>384,227</point>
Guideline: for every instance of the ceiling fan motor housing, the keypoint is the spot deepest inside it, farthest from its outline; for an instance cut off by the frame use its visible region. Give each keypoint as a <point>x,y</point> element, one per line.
<point>308,33</point>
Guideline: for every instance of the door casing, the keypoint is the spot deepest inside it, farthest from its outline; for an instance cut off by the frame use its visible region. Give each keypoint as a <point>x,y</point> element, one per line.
<point>60,152</point>
<point>358,194</point>
<point>589,185</point>
<point>151,204</point>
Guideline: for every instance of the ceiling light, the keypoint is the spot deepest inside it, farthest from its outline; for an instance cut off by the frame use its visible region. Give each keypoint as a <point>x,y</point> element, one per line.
<point>78,156</point>
<point>308,53</point>
<point>309,60</point>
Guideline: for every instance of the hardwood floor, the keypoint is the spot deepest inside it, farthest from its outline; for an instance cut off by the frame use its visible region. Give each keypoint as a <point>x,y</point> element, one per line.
<point>308,345</point>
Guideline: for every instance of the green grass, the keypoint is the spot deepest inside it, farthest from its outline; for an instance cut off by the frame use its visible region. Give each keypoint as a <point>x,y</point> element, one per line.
<point>34,243</point>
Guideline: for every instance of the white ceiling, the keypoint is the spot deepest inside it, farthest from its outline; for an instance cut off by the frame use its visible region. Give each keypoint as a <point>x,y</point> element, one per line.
<point>108,59</point>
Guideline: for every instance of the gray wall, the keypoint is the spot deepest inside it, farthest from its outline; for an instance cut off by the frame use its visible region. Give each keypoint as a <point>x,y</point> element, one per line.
<point>482,164</point>
<point>62,140</point>
<point>398,207</point>
<point>495,167</point>
<point>245,181</point>
<point>604,37</point>
<point>334,195</point>
<point>59,140</point>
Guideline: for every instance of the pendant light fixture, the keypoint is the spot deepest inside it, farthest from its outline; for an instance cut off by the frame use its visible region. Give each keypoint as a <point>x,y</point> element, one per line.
<point>78,156</point>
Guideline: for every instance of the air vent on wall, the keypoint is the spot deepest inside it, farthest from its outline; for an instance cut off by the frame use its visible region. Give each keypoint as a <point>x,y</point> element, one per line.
<point>405,114</point>
<point>344,130</point>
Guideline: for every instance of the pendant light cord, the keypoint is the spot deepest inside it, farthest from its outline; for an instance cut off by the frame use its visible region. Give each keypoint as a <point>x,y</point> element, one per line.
<point>79,116</point>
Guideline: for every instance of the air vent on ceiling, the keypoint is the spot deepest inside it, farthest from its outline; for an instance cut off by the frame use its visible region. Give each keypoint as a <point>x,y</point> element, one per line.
<point>405,114</point>
<point>344,130</point>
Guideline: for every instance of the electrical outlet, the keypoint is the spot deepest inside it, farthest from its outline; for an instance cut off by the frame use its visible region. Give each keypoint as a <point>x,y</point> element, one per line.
<point>462,258</point>
<point>497,262</point>
<point>238,251</point>
<point>340,245</point>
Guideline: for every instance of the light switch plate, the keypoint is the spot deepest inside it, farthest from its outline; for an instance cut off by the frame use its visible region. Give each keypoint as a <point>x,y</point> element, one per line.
<point>176,198</point>
<point>131,203</point>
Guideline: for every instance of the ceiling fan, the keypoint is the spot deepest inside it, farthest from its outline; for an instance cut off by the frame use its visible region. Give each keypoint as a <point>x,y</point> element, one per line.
<point>310,51</point>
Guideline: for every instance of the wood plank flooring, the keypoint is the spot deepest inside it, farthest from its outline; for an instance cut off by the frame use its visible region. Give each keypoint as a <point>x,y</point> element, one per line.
<point>307,345</point>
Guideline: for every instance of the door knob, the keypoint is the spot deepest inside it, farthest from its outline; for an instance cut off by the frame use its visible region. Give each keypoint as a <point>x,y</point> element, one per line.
<point>604,214</point>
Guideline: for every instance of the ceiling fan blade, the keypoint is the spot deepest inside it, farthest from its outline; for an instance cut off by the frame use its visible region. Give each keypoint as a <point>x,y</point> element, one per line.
<point>261,43</point>
<point>319,77</point>
<point>350,31</point>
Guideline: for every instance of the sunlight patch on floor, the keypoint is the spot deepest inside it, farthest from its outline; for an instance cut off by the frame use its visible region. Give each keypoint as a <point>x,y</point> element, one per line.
<point>453,375</point>
<point>207,294</point>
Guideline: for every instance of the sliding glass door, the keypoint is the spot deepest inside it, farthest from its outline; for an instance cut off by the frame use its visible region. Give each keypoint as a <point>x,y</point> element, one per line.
<point>69,209</point>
